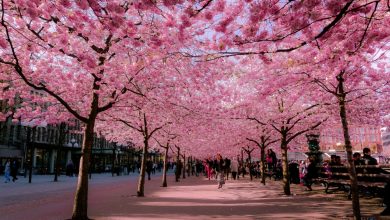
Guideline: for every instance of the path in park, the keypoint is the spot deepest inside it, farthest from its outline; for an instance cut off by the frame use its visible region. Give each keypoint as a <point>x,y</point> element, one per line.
<point>192,198</point>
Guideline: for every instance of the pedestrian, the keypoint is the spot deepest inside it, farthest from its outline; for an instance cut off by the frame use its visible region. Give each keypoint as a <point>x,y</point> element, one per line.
<point>311,173</point>
<point>7,171</point>
<point>227,163</point>
<point>69,168</point>
<point>220,179</point>
<point>270,163</point>
<point>178,170</point>
<point>154,168</point>
<point>14,169</point>
<point>220,170</point>
<point>274,158</point>
<point>149,168</point>
<point>234,168</point>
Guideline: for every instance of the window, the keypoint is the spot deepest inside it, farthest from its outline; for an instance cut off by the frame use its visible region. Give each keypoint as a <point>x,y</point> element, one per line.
<point>11,135</point>
<point>39,134</point>
<point>44,137</point>
<point>19,132</point>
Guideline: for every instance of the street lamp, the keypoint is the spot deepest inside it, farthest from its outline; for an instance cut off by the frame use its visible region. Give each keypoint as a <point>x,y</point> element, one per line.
<point>73,142</point>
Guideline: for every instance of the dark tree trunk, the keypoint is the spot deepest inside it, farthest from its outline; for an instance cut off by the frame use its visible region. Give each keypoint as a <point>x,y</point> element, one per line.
<point>80,206</point>
<point>31,145</point>
<point>141,181</point>
<point>250,166</point>
<point>262,164</point>
<point>57,164</point>
<point>61,140</point>
<point>286,176</point>
<point>91,165</point>
<point>184,166</point>
<point>113,162</point>
<point>165,168</point>
<point>177,174</point>
<point>348,148</point>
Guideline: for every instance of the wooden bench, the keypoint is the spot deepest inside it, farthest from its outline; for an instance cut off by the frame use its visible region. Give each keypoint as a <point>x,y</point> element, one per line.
<point>374,183</point>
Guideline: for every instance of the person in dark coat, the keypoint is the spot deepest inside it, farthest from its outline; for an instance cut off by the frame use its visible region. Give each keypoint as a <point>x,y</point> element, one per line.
<point>274,158</point>
<point>311,174</point>
<point>69,168</point>
<point>179,167</point>
<point>149,168</point>
<point>14,170</point>
<point>227,167</point>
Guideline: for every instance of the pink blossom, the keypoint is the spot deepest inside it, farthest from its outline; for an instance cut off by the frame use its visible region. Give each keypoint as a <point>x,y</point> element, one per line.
<point>3,43</point>
<point>65,3</point>
<point>83,4</point>
<point>208,15</point>
<point>32,12</point>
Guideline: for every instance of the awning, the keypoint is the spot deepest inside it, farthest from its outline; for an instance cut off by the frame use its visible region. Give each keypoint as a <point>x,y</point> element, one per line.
<point>10,153</point>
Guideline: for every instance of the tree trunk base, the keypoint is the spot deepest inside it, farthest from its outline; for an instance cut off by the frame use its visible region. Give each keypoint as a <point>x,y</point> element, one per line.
<point>80,218</point>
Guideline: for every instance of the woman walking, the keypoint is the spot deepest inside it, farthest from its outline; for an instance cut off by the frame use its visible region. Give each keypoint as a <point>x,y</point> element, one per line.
<point>7,171</point>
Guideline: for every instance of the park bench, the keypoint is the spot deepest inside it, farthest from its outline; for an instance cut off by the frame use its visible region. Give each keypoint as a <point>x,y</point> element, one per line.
<point>277,175</point>
<point>370,181</point>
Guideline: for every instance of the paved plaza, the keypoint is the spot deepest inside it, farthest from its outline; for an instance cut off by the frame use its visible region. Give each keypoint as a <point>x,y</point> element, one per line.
<point>191,198</point>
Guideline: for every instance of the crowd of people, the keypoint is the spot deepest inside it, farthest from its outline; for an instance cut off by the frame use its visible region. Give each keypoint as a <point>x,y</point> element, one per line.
<point>220,168</point>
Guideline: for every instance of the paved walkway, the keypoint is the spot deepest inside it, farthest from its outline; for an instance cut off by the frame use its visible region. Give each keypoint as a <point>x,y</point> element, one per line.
<point>192,198</point>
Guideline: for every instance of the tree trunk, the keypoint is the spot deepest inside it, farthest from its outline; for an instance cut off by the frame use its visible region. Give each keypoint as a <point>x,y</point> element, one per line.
<point>61,140</point>
<point>250,166</point>
<point>32,146</point>
<point>80,206</point>
<point>113,162</point>
<point>91,165</point>
<point>184,166</point>
<point>57,164</point>
<point>348,148</point>
<point>286,176</point>
<point>177,174</point>
<point>262,164</point>
<point>141,181</point>
<point>164,178</point>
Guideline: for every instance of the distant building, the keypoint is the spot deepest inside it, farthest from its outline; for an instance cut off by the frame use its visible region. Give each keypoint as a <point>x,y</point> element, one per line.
<point>332,139</point>
<point>39,145</point>
<point>386,140</point>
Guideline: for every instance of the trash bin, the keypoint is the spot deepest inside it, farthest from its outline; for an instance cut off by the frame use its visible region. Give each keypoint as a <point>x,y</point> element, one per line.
<point>293,168</point>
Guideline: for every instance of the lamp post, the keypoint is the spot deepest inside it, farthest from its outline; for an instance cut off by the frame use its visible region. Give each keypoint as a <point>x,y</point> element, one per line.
<point>73,143</point>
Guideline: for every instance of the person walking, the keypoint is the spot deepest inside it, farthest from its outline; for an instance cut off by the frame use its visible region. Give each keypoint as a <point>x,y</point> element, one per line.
<point>7,171</point>
<point>234,168</point>
<point>149,168</point>
<point>220,170</point>
<point>270,163</point>
<point>69,168</point>
<point>227,163</point>
<point>14,169</point>
<point>220,179</point>
<point>178,170</point>
<point>274,158</point>
<point>311,173</point>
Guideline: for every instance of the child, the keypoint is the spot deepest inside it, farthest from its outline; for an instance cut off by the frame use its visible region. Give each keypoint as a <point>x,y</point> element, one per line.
<point>220,179</point>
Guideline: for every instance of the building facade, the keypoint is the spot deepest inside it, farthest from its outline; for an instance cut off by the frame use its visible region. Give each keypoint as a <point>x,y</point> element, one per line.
<point>39,146</point>
<point>332,139</point>
<point>386,141</point>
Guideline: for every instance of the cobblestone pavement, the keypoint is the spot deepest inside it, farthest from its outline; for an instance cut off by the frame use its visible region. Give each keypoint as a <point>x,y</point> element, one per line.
<point>191,198</point>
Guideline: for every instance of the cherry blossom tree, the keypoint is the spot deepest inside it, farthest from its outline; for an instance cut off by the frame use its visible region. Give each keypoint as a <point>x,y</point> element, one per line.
<point>263,138</point>
<point>352,84</point>
<point>83,55</point>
